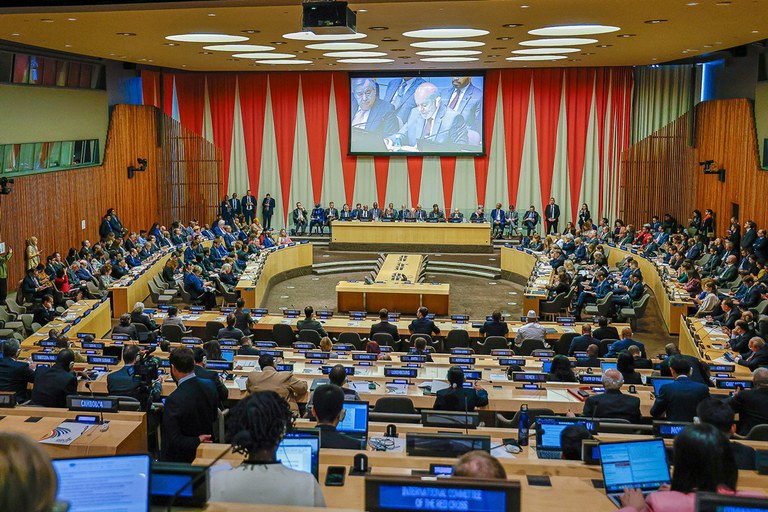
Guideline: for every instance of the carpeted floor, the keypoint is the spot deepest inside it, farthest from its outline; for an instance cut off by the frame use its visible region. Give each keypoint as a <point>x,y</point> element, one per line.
<point>474,296</point>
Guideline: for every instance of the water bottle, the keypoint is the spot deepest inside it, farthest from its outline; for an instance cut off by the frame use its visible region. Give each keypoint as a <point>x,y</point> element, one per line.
<point>522,427</point>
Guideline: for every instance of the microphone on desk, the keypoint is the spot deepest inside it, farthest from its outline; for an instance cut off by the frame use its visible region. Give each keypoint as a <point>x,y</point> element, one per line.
<point>104,426</point>
<point>198,476</point>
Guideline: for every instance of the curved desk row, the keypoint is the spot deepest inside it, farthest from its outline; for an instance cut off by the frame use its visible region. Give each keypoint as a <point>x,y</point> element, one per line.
<point>284,262</point>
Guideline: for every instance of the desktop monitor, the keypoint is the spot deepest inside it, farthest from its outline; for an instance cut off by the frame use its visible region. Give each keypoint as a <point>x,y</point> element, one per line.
<point>659,382</point>
<point>444,445</point>
<point>300,450</point>
<point>607,365</point>
<point>123,483</point>
<point>713,502</point>
<point>549,428</point>
<point>168,478</point>
<point>450,419</point>
<point>635,464</point>
<point>396,494</point>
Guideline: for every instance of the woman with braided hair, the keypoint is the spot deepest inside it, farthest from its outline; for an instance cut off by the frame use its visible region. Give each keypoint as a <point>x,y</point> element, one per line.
<point>255,428</point>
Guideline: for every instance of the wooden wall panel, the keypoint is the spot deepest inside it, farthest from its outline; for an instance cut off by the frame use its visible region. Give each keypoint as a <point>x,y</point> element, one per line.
<point>725,132</point>
<point>662,174</point>
<point>51,206</point>
<point>653,175</point>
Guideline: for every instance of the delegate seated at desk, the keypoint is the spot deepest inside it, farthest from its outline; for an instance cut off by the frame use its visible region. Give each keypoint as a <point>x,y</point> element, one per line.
<point>14,375</point>
<point>495,326</point>
<point>458,398</point>
<point>328,408</point>
<point>54,384</point>
<point>423,325</point>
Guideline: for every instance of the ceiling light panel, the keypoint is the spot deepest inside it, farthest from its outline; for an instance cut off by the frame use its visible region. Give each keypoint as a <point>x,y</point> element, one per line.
<point>264,55</point>
<point>310,36</point>
<point>449,53</point>
<point>449,59</point>
<point>354,54</point>
<point>562,41</point>
<point>281,62</point>
<point>447,44</point>
<point>446,33</point>
<point>239,48</point>
<point>342,46</point>
<point>537,57</point>
<point>573,30</point>
<point>206,38</point>
<point>365,61</point>
<point>545,51</point>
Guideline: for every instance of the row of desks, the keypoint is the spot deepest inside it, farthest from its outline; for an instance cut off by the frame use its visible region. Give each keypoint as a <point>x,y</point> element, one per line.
<point>86,316</point>
<point>341,323</point>
<point>671,297</point>
<point>519,264</point>
<point>708,343</point>
<point>254,286</point>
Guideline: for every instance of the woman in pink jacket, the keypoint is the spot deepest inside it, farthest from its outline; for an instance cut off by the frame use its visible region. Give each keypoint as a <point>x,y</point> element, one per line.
<point>703,462</point>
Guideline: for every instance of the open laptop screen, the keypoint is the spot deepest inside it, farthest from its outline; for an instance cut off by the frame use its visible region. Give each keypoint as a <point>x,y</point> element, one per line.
<point>355,418</point>
<point>635,464</point>
<point>123,483</point>
<point>549,429</point>
<point>300,450</point>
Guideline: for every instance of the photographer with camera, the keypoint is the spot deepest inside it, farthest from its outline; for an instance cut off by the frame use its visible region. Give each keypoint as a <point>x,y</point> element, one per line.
<point>138,376</point>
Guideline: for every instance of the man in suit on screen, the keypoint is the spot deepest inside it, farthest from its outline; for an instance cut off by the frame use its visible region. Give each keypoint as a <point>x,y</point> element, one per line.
<point>430,121</point>
<point>467,100</point>
<point>400,95</point>
<point>372,116</point>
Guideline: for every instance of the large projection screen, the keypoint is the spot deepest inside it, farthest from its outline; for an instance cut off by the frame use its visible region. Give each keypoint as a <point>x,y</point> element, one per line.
<point>434,114</point>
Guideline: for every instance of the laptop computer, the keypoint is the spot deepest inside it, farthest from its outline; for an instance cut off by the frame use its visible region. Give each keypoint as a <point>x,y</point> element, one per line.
<point>123,483</point>
<point>635,464</point>
<point>658,382</point>
<point>300,450</point>
<point>355,422</point>
<point>548,431</point>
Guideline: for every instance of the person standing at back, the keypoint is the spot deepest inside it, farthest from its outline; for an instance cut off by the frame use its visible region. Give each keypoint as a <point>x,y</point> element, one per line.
<point>678,400</point>
<point>422,324</point>
<point>189,411</point>
<point>54,384</point>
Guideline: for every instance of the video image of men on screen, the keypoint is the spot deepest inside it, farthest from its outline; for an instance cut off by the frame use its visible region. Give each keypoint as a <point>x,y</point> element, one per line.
<point>434,114</point>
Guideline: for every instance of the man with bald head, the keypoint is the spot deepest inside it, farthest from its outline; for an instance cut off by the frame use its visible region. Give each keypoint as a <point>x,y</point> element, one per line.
<point>613,403</point>
<point>430,121</point>
<point>481,465</point>
<point>752,404</point>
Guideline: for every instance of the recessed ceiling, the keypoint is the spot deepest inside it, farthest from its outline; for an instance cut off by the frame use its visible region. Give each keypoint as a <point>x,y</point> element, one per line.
<point>695,27</point>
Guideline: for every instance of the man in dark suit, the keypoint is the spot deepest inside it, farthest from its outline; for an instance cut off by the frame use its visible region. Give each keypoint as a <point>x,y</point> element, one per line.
<point>719,414</point>
<point>498,219</point>
<point>760,247</point>
<point>758,356</point>
<point>310,323</point>
<point>235,206</point>
<point>225,209</point>
<point>678,400</point>
<point>14,375</point>
<point>44,313</point>
<point>327,407</point>
<point>189,411</point>
<point>741,335</point>
<point>729,316</point>
<point>300,219</point>
<point>54,384</point>
<point>430,121</point>
<point>749,237</point>
<point>373,118</point>
<point>580,343</point>
<point>752,404</point>
<point>613,403</point>
<point>247,348</point>
<point>400,95</point>
<point>530,220</point>
<point>699,370</point>
<point>384,326</point>
<point>420,349</point>
<point>605,331</point>
<point>317,219</point>
<point>331,214</point>
<point>729,271</point>
<point>495,326</point>
<point>249,207</point>
<point>121,382</point>
<point>467,100</point>
<point>202,373</point>
<point>267,210</point>
<point>551,216</point>
<point>624,343</point>
<point>422,324</point>
<point>641,362</point>
<point>592,360</point>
